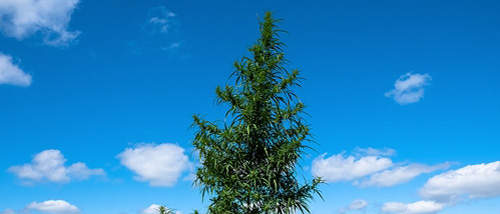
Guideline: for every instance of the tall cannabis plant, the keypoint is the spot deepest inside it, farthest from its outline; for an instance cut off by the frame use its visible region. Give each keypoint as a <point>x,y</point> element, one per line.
<point>248,163</point>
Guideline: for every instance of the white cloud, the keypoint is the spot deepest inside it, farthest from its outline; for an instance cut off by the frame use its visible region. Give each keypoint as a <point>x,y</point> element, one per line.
<point>50,18</point>
<point>154,209</point>
<point>345,168</point>
<point>53,206</point>
<point>473,181</point>
<point>400,174</point>
<point>8,211</point>
<point>11,74</point>
<point>419,207</point>
<point>449,188</point>
<point>364,162</point>
<point>357,204</point>
<point>49,165</point>
<point>160,165</point>
<point>409,88</point>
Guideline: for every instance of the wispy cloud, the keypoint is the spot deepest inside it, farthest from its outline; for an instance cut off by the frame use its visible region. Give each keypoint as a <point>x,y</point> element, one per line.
<point>11,74</point>
<point>374,152</point>
<point>400,174</point>
<point>162,20</point>
<point>49,165</point>
<point>409,88</point>
<point>159,32</point>
<point>50,18</point>
<point>160,165</point>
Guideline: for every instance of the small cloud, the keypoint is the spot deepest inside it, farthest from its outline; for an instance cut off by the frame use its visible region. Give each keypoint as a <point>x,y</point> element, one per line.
<point>473,181</point>
<point>400,174</point>
<point>53,206</point>
<point>50,18</point>
<point>160,165</point>
<point>409,88</point>
<point>11,74</point>
<point>49,165</point>
<point>357,204</point>
<point>419,207</point>
<point>346,168</point>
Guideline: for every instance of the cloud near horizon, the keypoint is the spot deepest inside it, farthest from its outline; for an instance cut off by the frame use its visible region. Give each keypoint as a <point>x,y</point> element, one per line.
<point>419,207</point>
<point>53,206</point>
<point>409,88</point>
<point>49,165</point>
<point>50,18</point>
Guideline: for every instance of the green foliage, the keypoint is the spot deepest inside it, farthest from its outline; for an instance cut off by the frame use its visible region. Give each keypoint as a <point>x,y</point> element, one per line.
<point>248,164</point>
<point>164,210</point>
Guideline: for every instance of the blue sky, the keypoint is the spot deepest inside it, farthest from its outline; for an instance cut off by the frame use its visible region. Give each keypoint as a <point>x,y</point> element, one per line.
<point>97,98</point>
